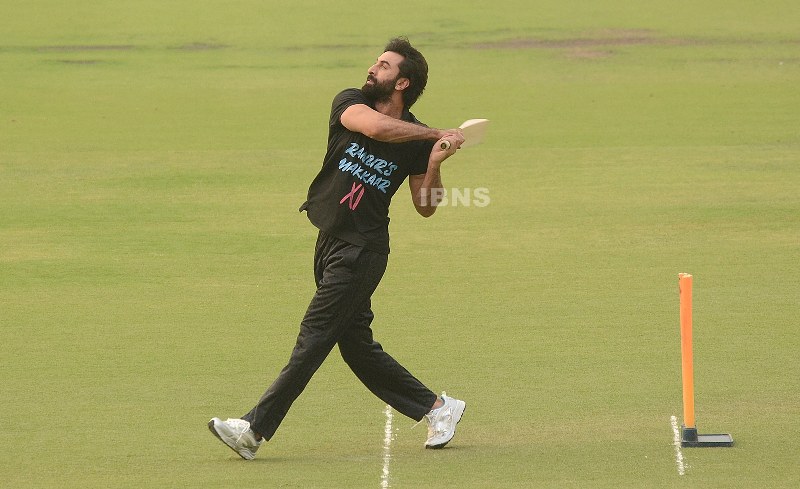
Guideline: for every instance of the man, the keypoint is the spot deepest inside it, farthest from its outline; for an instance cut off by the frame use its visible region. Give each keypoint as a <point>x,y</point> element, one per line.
<point>374,142</point>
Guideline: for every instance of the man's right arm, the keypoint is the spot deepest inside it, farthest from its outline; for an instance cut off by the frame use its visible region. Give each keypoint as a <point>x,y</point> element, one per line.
<point>371,123</point>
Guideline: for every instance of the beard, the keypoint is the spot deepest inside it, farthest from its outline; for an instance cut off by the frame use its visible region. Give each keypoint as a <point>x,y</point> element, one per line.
<point>378,91</point>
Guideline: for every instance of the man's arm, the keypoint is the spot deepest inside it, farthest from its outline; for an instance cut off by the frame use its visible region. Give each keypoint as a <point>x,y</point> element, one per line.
<point>371,123</point>
<point>427,190</point>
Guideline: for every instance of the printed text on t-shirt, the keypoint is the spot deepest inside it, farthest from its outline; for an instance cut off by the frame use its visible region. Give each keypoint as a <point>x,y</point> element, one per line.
<point>376,168</point>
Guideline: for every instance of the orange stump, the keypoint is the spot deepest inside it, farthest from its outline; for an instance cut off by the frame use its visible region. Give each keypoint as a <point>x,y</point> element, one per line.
<point>689,436</point>
<point>687,362</point>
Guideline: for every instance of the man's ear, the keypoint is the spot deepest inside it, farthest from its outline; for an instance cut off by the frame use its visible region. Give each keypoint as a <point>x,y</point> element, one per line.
<point>402,83</point>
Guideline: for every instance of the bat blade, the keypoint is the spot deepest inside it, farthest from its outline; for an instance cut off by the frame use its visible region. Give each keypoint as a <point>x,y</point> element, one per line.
<point>474,131</point>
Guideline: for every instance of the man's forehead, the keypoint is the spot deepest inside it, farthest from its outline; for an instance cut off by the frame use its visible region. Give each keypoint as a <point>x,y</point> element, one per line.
<point>391,57</point>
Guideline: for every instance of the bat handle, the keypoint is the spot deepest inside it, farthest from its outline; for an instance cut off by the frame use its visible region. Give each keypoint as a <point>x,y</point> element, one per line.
<point>445,145</point>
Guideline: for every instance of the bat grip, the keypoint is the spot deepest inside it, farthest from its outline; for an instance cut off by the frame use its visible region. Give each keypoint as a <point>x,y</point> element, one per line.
<point>445,145</point>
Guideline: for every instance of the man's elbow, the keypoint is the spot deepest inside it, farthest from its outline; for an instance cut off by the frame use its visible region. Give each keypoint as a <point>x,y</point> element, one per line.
<point>426,211</point>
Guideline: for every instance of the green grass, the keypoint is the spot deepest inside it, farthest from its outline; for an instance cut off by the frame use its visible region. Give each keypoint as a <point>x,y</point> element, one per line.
<point>154,268</point>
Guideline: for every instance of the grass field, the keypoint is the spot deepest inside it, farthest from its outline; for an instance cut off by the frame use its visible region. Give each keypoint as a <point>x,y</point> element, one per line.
<point>154,267</point>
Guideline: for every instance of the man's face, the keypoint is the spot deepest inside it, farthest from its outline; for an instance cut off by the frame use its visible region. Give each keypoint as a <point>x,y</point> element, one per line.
<point>383,77</point>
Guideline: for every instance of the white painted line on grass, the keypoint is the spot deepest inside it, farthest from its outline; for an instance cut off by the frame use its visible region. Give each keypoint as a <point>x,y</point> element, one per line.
<point>387,447</point>
<point>676,437</point>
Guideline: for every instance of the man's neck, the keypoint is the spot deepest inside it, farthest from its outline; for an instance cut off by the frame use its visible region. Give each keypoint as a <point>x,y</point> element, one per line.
<point>392,107</point>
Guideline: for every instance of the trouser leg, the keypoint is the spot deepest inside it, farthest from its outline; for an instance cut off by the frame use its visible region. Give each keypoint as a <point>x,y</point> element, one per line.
<point>381,373</point>
<point>347,275</point>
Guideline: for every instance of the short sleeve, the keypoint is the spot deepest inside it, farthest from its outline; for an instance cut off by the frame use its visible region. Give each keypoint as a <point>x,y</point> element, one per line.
<point>342,101</point>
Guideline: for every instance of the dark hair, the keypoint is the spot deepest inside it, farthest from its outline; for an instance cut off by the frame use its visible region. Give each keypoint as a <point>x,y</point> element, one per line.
<point>414,67</point>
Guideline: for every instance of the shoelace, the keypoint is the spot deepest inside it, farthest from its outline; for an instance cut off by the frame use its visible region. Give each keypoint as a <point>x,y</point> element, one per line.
<point>439,422</point>
<point>436,424</point>
<point>240,425</point>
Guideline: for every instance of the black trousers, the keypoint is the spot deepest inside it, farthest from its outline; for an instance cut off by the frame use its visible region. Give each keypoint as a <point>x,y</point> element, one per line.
<point>340,313</point>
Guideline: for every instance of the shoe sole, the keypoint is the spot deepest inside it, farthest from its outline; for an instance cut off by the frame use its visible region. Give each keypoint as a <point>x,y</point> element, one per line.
<point>214,432</point>
<point>441,445</point>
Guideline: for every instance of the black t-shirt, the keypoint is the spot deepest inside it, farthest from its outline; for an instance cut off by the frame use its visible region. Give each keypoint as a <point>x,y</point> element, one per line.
<point>350,197</point>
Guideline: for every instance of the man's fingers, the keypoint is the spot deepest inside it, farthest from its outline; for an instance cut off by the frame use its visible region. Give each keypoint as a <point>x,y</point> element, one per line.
<point>452,138</point>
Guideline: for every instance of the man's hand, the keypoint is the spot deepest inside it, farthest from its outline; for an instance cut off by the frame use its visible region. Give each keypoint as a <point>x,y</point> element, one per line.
<point>441,151</point>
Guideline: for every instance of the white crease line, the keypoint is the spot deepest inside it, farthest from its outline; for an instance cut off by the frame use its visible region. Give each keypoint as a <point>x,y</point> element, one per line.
<point>676,432</point>
<point>387,447</point>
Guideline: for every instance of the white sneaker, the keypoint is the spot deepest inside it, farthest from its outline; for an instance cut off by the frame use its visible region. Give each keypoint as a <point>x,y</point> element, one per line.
<point>236,433</point>
<point>442,422</point>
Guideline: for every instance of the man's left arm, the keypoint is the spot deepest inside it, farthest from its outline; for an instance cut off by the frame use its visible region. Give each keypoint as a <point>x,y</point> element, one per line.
<point>427,190</point>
